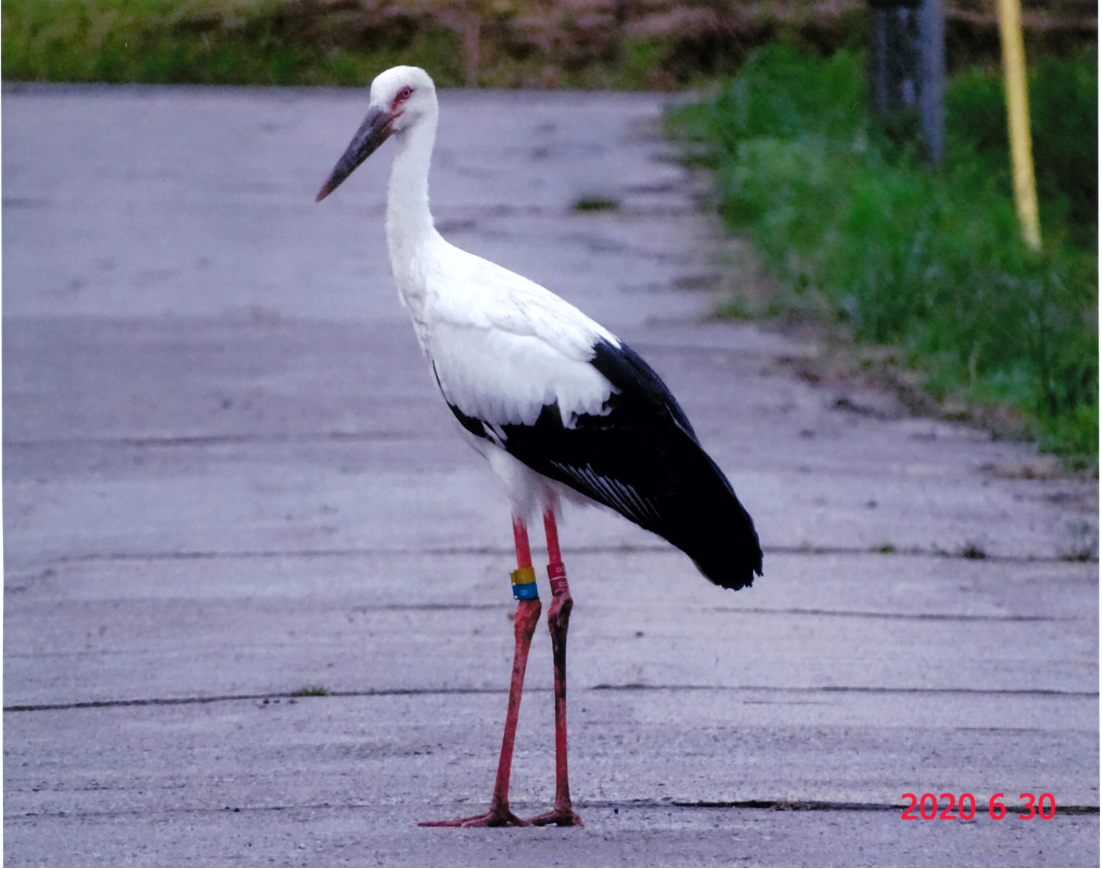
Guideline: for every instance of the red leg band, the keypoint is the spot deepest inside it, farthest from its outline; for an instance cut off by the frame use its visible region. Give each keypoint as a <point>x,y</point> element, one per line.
<point>556,572</point>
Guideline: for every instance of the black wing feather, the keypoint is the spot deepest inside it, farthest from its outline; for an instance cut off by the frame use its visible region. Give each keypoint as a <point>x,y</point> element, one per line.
<point>642,459</point>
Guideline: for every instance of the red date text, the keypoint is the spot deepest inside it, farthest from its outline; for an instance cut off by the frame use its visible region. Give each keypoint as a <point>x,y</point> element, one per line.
<point>963,808</point>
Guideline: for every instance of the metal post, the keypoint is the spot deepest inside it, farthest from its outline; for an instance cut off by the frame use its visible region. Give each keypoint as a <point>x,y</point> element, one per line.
<point>931,37</point>
<point>906,69</point>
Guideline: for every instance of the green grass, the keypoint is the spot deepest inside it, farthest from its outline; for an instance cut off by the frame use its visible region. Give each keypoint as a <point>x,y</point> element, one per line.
<point>311,691</point>
<point>267,42</point>
<point>638,44</point>
<point>596,203</point>
<point>859,232</point>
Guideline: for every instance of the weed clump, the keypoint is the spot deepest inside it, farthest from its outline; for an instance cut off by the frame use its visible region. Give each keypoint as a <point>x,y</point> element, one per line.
<point>311,691</point>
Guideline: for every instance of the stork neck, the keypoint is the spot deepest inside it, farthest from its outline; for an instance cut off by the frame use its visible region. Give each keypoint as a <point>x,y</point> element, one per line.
<point>408,219</point>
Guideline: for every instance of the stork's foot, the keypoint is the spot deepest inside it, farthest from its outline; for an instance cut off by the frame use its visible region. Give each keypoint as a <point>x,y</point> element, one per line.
<point>565,817</point>
<point>492,818</point>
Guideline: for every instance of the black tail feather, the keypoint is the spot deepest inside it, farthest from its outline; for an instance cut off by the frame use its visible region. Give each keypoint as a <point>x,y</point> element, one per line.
<point>703,517</point>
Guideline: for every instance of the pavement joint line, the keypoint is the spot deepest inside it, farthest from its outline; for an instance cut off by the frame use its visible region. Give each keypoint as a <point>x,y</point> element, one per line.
<point>456,225</point>
<point>706,351</point>
<point>750,611</point>
<point>856,614</point>
<point>221,439</point>
<point>465,218</point>
<point>829,806</point>
<point>909,552</point>
<point>604,687</point>
<point>787,805</point>
<point>237,698</point>
<point>849,689</point>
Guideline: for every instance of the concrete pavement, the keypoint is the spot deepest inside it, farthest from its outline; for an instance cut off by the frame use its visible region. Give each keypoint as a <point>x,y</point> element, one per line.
<point>228,481</point>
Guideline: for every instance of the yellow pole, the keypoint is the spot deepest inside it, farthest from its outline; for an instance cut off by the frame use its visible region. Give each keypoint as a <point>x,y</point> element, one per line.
<point>1017,105</point>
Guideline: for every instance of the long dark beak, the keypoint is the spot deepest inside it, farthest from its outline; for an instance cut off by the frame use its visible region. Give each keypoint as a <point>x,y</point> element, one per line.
<point>372,133</point>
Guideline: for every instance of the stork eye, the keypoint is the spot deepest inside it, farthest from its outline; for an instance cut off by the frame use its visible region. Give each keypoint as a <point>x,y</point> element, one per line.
<point>403,95</point>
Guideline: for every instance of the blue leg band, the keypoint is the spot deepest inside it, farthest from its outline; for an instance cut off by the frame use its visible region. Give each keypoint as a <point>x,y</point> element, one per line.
<point>524,584</point>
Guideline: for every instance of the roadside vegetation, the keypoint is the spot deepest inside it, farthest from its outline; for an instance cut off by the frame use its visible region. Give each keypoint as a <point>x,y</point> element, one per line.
<point>487,43</point>
<point>265,42</point>
<point>858,232</point>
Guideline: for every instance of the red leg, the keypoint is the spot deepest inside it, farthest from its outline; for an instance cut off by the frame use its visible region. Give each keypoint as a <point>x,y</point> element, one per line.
<point>558,620</point>
<point>524,625</point>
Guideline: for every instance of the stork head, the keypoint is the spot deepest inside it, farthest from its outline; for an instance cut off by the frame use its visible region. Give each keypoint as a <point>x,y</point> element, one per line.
<point>400,97</point>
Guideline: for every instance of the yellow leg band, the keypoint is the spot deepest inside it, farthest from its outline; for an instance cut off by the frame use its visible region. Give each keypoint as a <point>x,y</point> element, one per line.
<point>524,583</point>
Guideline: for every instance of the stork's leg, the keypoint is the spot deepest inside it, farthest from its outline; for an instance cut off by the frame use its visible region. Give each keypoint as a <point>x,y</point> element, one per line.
<point>524,625</point>
<point>558,620</point>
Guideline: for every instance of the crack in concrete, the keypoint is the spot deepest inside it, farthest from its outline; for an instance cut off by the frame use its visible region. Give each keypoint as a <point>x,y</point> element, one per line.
<point>614,805</point>
<point>856,614</point>
<point>614,549</point>
<point>829,806</point>
<point>218,439</point>
<point>295,696</point>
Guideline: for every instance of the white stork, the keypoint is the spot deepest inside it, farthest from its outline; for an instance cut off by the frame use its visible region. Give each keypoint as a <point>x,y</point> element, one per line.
<point>559,406</point>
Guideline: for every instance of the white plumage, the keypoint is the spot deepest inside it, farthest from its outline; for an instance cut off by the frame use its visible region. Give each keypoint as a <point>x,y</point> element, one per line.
<point>558,404</point>
<point>502,347</point>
